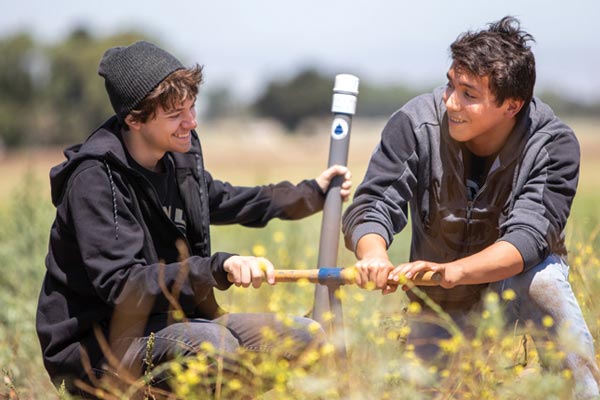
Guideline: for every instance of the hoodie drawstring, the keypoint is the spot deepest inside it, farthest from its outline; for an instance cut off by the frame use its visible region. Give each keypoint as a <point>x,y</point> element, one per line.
<point>114,199</point>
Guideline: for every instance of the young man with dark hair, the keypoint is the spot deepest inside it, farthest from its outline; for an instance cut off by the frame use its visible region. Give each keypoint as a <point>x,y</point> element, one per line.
<point>129,253</point>
<point>489,174</point>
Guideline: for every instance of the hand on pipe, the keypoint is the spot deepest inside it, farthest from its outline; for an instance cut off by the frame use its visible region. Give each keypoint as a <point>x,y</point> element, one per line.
<point>325,178</point>
<point>373,273</point>
<point>417,268</point>
<point>246,270</point>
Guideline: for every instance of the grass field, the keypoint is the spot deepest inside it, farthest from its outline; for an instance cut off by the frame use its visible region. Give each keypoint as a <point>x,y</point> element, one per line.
<point>255,153</point>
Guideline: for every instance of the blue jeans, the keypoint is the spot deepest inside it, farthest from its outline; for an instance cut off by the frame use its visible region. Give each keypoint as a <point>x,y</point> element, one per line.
<point>543,290</point>
<point>226,334</point>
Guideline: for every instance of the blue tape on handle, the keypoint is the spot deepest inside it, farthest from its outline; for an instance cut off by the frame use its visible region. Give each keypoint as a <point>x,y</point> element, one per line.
<point>330,276</point>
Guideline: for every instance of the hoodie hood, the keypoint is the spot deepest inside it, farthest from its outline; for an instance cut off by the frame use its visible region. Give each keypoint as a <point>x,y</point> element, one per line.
<point>542,118</point>
<point>106,144</point>
<point>103,144</point>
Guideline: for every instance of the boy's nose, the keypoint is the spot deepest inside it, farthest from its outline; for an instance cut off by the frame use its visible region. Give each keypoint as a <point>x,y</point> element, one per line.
<point>190,121</point>
<point>450,100</point>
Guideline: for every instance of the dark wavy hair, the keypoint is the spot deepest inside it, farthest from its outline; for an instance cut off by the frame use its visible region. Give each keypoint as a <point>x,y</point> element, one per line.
<point>502,53</point>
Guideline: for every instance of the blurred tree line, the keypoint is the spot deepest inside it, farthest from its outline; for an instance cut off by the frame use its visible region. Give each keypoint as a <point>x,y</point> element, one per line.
<point>50,94</point>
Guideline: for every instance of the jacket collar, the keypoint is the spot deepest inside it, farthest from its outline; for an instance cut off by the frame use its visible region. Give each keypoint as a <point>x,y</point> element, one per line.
<point>509,152</point>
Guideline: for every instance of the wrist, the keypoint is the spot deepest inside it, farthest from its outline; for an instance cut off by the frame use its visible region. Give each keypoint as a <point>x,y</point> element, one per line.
<point>373,254</point>
<point>371,246</point>
<point>456,274</point>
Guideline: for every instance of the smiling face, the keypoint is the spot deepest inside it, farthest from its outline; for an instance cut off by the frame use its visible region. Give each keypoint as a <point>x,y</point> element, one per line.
<point>147,142</point>
<point>474,117</point>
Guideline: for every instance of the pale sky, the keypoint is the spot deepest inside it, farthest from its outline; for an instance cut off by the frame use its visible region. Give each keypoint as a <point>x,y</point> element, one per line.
<point>243,44</point>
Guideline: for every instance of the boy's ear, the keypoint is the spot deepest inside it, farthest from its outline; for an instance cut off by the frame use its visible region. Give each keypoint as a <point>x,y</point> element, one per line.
<point>514,106</point>
<point>131,122</point>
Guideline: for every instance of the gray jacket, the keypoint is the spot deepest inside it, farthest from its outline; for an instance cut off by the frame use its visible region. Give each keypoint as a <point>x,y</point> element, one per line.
<point>525,200</point>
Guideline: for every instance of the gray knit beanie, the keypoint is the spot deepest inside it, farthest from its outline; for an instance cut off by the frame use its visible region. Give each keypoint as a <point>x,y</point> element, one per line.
<point>130,73</point>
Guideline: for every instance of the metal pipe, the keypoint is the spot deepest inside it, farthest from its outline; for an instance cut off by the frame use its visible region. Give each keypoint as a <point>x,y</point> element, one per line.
<point>326,304</point>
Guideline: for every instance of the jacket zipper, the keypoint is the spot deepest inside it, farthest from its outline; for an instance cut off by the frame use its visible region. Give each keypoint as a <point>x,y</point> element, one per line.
<point>469,210</point>
<point>470,205</point>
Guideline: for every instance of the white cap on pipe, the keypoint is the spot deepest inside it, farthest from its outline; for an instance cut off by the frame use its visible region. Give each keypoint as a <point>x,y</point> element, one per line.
<point>346,83</point>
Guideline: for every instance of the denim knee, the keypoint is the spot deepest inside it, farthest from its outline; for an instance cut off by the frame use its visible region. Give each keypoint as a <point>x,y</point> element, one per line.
<point>543,286</point>
<point>193,333</point>
<point>179,339</point>
<point>308,331</point>
<point>297,334</point>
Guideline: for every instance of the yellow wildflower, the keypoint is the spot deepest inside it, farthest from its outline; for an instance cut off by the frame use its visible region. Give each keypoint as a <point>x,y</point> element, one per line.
<point>302,282</point>
<point>509,294</point>
<point>314,327</point>
<point>588,250</point>
<point>414,308</point>
<point>492,297</point>
<point>547,321</point>
<point>491,332</point>
<point>278,237</point>
<point>358,297</point>
<point>207,347</point>
<point>327,349</point>
<point>327,316</point>
<point>234,384</point>
<point>340,294</point>
<point>258,250</point>
<point>404,331</point>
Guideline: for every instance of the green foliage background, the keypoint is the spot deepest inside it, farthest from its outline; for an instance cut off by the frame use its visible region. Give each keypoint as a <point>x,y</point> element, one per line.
<point>51,93</point>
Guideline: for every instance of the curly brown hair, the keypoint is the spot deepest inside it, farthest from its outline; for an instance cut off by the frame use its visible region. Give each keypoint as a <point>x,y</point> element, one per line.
<point>176,88</point>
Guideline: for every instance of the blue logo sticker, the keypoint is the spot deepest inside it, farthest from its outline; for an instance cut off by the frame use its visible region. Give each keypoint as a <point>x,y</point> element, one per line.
<point>339,129</point>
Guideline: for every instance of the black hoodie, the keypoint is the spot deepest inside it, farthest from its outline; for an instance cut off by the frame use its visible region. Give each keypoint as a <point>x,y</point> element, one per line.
<point>103,270</point>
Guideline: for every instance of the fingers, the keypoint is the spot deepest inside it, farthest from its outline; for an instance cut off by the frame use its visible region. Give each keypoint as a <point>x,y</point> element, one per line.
<point>400,274</point>
<point>405,272</point>
<point>246,271</point>
<point>233,267</point>
<point>336,170</point>
<point>345,188</point>
<point>373,273</point>
<point>246,276</point>
<point>267,270</point>
<point>325,178</point>
<point>388,289</point>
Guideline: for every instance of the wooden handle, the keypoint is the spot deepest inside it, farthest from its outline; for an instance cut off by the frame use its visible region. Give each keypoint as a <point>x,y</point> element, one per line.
<point>428,278</point>
<point>341,276</point>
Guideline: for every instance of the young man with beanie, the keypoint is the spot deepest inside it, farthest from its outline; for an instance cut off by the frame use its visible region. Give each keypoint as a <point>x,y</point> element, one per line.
<point>129,252</point>
<point>489,174</point>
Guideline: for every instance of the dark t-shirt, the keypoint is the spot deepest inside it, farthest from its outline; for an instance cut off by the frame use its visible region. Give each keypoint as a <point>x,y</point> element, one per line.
<point>476,170</point>
<point>166,188</point>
